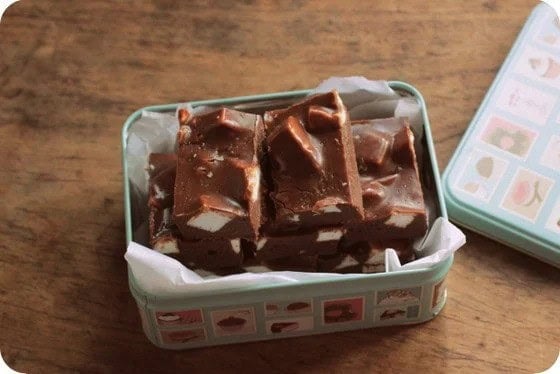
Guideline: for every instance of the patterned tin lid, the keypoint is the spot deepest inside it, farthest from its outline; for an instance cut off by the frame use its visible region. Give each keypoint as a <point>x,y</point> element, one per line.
<point>504,179</point>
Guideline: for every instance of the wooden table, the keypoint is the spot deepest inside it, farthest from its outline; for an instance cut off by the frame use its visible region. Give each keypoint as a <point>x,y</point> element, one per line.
<point>70,74</point>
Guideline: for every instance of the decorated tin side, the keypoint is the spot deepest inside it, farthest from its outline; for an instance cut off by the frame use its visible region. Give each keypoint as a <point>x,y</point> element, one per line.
<point>270,311</point>
<point>504,179</point>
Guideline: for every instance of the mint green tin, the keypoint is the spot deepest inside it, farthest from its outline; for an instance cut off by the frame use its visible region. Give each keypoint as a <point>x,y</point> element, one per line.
<point>270,311</point>
<point>504,179</point>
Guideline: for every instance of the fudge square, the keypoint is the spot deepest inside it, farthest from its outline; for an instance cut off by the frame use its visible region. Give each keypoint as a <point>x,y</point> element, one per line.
<point>164,236</point>
<point>161,170</point>
<point>313,177</point>
<point>323,241</point>
<point>217,188</point>
<point>365,257</point>
<point>392,193</point>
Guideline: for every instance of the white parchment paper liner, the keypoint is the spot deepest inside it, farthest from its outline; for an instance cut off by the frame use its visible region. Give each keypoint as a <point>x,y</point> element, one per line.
<point>162,275</point>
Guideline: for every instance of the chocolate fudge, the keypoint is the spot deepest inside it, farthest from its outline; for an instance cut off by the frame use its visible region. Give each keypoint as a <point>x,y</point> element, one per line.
<point>391,190</point>
<point>364,257</point>
<point>217,189</point>
<point>293,263</point>
<point>164,235</point>
<point>332,194</point>
<point>210,254</point>
<point>304,263</point>
<point>322,241</point>
<point>312,173</point>
<point>161,170</point>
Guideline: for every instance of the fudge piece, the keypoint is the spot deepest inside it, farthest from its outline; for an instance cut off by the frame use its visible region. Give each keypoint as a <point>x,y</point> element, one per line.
<point>211,254</point>
<point>364,257</point>
<point>292,263</point>
<point>205,254</point>
<point>391,190</point>
<point>161,170</point>
<point>313,178</point>
<point>164,235</point>
<point>322,241</point>
<point>217,189</point>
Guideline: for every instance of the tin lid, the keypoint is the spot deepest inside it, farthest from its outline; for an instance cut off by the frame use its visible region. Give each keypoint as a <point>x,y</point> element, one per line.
<point>504,179</point>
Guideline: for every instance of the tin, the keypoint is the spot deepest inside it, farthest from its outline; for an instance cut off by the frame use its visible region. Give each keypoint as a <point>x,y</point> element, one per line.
<point>503,180</point>
<point>271,311</point>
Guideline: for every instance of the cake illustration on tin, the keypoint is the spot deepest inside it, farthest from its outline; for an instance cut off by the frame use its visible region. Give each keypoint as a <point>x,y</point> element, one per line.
<point>398,297</point>
<point>183,317</point>
<point>339,313</point>
<point>392,314</point>
<point>515,142</point>
<point>545,67</point>
<point>279,327</point>
<point>526,193</point>
<point>298,306</point>
<point>232,323</point>
<point>169,317</point>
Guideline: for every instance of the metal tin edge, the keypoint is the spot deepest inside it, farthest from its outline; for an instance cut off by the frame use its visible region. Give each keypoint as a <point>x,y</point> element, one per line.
<point>462,212</point>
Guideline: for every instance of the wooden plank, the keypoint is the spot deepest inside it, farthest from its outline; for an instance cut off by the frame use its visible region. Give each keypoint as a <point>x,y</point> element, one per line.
<point>70,74</point>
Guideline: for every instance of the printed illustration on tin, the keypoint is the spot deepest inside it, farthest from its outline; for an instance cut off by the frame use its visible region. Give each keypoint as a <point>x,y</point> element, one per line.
<point>398,304</point>
<point>481,174</point>
<point>289,325</point>
<point>532,104</point>
<point>439,292</point>
<point>182,317</point>
<point>292,307</point>
<point>527,194</point>
<point>233,322</point>
<point>549,34</point>
<point>507,136</point>
<point>397,313</point>
<point>540,66</point>
<point>399,296</point>
<point>343,310</point>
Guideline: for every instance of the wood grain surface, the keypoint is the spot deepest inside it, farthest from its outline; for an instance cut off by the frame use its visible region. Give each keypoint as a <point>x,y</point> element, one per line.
<point>70,74</point>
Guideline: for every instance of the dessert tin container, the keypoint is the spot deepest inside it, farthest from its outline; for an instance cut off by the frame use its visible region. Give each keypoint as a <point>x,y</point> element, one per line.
<point>504,178</point>
<point>270,311</point>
